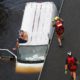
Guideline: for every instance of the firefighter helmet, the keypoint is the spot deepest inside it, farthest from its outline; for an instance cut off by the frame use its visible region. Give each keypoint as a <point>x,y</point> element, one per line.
<point>56,18</point>
<point>69,53</point>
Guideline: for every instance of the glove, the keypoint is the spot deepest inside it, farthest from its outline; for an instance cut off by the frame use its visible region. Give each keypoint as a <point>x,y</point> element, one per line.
<point>65,71</point>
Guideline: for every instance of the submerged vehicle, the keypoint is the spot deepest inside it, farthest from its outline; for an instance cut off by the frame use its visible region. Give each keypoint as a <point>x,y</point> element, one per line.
<point>37,23</point>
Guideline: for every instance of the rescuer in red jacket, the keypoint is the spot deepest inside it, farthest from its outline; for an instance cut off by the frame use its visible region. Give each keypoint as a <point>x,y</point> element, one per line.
<point>71,65</point>
<point>58,24</point>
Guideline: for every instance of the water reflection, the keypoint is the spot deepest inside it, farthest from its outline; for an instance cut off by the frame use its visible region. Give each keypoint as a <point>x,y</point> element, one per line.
<point>3,18</point>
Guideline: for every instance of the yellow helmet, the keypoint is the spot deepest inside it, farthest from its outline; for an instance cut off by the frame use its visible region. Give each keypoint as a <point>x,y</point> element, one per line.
<point>56,18</point>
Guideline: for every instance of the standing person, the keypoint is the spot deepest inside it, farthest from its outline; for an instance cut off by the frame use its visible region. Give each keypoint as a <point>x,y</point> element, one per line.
<point>71,65</point>
<point>58,24</point>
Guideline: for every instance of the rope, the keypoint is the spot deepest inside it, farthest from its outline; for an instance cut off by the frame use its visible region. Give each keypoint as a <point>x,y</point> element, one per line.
<point>39,17</point>
<point>34,21</point>
<point>60,8</point>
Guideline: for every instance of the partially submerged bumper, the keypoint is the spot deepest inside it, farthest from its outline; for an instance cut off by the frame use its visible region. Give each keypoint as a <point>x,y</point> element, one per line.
<point>28,68</point>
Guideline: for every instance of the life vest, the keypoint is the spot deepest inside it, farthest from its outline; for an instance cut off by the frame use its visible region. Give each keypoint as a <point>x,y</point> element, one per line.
<point>71,63</point>
<point>59,27</point>
<point>59,23</point>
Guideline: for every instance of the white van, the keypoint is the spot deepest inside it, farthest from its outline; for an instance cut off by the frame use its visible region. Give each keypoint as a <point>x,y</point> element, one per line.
<point>36,22</point>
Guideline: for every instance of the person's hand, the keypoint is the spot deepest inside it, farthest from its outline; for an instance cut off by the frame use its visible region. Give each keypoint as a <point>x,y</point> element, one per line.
<point>78,62</point>
<point>65,71</point>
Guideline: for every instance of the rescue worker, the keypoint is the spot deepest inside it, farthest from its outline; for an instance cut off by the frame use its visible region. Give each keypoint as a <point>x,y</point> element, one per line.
<point>71,65</point>
<point>58,24</point>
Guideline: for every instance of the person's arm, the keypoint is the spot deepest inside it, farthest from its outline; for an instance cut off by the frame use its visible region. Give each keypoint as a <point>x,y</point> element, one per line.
<point>17,43</point>
<point>53,23</point>
<point>62,20</point>
<point>77,62</point>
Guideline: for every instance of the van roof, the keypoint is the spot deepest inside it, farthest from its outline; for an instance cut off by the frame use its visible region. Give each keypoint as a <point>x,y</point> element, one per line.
<point>37,20</point>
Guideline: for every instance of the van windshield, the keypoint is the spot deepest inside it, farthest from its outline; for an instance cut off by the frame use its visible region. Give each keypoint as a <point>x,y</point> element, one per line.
<point>32,54</point>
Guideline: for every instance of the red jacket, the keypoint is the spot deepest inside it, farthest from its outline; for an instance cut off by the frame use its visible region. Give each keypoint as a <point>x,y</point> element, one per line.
<point>59,27</point>
<point>71,62</point>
